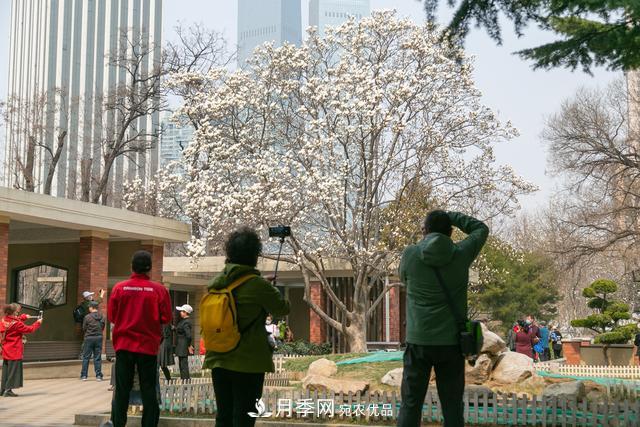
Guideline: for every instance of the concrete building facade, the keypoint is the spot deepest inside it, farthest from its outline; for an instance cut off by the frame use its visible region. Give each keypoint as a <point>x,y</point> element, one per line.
<point>66,247</point>
<point>323,13</point>
<point>63,51</point>
<point>261,21</point>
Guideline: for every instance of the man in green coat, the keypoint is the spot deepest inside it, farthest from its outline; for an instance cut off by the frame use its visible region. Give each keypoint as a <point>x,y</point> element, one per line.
<point>238,375</point>
<point>432,331</point>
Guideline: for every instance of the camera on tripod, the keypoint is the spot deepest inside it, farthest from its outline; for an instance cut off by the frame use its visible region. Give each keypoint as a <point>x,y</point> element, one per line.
<point>280,231</point>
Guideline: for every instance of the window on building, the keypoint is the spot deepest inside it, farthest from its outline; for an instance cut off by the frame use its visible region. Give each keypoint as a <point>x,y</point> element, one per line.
<point>42,285</point>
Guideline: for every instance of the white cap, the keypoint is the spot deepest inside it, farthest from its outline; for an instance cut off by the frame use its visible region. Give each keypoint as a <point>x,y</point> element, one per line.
<point>186,308</point>
<point>87,294</point>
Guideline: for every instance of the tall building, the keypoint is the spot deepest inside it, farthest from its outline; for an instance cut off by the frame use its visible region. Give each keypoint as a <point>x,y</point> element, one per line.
<point>173,140</point>
<point>67,47</point>
<point>261,21</point>
<point>323,13</point>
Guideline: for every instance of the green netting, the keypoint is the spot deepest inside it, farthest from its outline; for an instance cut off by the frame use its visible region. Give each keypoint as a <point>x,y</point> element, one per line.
<point>378,356</point>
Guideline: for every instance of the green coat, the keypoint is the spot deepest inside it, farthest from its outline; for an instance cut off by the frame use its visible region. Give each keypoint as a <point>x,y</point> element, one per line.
<point>254,299</point>
<point>429,318</point>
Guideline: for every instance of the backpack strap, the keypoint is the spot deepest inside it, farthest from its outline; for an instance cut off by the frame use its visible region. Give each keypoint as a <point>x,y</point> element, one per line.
<point>240,281</point>
<point>229,289</point>
<point>461,321</point>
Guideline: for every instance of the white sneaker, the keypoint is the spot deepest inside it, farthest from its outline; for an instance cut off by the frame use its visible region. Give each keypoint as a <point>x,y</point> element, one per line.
<point>83,378</point>
<point>98,378</point>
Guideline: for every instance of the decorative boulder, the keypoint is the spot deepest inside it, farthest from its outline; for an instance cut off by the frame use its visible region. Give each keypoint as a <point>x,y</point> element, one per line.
<point>513,368</point>
<point>323,367</point>
<point>479,390</point>
<point>568,390</point>
<point>321,383</point>
<point>492,343</point>
<point>480,372</point>
<point>393,377</point>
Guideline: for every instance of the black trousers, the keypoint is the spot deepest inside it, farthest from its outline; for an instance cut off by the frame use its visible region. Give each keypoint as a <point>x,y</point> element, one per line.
<point>147,365</point>
<point>236,396</point>
<point>449,366</point>
<point>183,363</point>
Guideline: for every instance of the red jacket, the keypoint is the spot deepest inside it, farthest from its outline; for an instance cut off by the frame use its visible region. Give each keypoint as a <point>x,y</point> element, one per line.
<point>13,329</point>
<point>138,308</point>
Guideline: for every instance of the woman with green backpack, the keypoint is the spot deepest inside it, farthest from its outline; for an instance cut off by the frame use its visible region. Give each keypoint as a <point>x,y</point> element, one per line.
<point>233,315</point>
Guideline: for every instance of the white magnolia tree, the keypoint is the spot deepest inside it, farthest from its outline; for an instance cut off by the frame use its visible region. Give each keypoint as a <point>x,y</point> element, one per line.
<point>324,137</point>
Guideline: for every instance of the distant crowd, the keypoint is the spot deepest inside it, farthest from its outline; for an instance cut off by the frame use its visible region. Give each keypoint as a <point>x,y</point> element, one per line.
<point>535,339</point>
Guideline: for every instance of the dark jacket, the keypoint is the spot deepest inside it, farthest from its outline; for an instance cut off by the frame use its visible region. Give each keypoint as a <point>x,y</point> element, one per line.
<point>165,354</point>
<point>429,318</point>
<point>184,337</point>
<point>255,299</point>
<point>93,324</point>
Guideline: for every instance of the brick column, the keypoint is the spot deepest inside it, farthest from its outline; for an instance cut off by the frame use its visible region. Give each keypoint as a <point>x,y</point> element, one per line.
<point>571,351</point>
<point>394,315</point>
<point>93,266</point>
<point>4,259</point>
<point>317,329</point>
<point>156,249</point>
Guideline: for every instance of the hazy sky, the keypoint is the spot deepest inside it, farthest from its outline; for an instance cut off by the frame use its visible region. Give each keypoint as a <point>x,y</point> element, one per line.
<point>509,85</point>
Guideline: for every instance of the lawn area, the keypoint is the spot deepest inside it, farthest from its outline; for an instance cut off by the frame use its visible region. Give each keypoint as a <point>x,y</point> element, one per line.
<point>301,364</point>
<point>371,372</point>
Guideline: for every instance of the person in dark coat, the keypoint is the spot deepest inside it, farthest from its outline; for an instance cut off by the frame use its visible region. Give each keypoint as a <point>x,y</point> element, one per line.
<point>525,339</point>
<point>12,330</point>
<point>184,340</point>
<point>165,355</point>
<point>93,326</point>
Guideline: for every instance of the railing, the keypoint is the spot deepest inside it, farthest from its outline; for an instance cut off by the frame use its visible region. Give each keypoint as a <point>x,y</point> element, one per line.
<point>270,380</point>
<point>195,363</point>
<point>480,408</point>
<point>625,372</point>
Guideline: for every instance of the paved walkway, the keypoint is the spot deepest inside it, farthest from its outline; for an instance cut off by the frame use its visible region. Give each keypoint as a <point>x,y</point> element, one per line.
<point>54,402</point>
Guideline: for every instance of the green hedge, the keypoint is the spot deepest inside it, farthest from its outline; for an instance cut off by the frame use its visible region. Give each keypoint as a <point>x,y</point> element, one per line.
<point>304,348</point>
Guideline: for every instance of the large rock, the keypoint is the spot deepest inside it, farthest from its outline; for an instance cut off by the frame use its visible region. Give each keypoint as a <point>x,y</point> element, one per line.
<point>569,390</point>
<point>479,390</point>
<point>513,368</point>
<point>480,372</point>
<point>320,383</point>
<point>491,342</point>
<point>393,377</point>
<point>323,367</point>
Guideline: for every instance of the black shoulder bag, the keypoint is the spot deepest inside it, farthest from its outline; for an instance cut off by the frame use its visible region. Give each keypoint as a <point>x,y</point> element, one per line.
<point>469,331</point>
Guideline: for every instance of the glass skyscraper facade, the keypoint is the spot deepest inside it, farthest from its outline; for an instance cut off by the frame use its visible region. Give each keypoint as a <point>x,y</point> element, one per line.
<point>67,46</point>
<point>323,13</point>
<point>261,21</point>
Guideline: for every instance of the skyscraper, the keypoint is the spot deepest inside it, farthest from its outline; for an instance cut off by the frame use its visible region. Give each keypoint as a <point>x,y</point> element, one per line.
<point>173,140</point>
<point>261,21</point>
<point>67,47</point>
<point>323,13</point>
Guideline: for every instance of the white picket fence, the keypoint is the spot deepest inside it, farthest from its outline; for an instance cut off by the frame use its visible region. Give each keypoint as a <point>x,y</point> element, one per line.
<point>195,363</point>
<point>271,379</point>
<point>480,407</point>
<point>624,372</point>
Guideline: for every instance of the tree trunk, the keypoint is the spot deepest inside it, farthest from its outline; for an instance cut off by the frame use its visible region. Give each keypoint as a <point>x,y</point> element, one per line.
<point>101,190</point>
<point>85,179</point>
<point>356,337</point>
<point>605,351</point>
<point>54,162</point>
<point>29,184</point>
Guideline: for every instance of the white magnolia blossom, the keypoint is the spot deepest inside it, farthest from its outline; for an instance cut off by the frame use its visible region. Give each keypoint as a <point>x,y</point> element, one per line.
<point>323,136</point>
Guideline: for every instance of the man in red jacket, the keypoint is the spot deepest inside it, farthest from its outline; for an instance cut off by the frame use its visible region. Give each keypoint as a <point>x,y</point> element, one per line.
<point>138,308</point>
